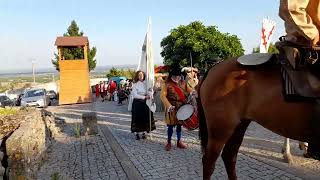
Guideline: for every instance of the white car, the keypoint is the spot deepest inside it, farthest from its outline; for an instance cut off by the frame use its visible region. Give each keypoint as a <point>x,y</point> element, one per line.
<point>14,94</point>
<point>35,97</point>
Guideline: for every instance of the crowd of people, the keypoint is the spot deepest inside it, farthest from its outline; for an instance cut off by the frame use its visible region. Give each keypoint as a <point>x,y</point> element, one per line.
<point>169,93</point>
<point>112,91</point>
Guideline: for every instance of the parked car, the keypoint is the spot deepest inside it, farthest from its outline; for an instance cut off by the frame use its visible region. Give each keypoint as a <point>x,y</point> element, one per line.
<point>5,101</point>
<point>52,94</point>
<point>35,97</point>
<point>14,94</point>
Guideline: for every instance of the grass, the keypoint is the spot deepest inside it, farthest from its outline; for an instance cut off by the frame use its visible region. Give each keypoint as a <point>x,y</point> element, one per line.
<point>7,111</point>
<point>15,82</point>
<point>39,79</point>
<point>77,130</point>
<point>55,176</point>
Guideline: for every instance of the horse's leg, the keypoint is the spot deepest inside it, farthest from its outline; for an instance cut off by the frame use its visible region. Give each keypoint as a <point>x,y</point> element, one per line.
<point>284,146</point>
<point>286,151</point>
<point>230,150</point>
<point>210,156</point>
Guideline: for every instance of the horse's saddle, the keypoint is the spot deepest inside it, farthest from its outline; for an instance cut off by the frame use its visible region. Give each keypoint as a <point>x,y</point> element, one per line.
<point>300,70</point>
<point>254,59</point>
<point>300,65</point>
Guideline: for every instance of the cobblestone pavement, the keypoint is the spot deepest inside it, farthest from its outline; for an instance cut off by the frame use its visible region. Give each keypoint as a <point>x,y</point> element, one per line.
<point>87,157</point>
<point>259,158</point>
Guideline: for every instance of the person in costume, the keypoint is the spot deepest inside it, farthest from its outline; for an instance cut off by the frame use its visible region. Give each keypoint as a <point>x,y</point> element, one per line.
<point>174,93</point>
<point>140,111</point>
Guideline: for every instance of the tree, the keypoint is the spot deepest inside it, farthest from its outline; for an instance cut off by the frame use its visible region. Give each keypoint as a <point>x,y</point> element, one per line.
<point>76,53</point>
<point>203,43</point>
<point>129,74</point>
<point>114,72</point>
<point>272,49</point>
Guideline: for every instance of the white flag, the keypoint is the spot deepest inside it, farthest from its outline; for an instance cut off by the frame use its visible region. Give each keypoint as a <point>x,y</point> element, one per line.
<point>268,28</point>
<point>146,65</point>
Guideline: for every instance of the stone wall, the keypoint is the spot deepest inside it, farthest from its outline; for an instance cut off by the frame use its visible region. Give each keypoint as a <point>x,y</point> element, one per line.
<point>2,169</point>
<point>26,147</point>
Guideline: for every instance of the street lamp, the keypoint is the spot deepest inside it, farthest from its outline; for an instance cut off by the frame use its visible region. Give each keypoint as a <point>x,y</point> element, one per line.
<point>33,61</point>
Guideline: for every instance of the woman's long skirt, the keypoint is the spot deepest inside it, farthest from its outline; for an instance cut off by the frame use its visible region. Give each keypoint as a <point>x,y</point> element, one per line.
<point>141,117</point>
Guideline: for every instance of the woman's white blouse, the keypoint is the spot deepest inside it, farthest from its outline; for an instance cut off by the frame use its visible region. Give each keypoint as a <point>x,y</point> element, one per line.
<point>139,90</point>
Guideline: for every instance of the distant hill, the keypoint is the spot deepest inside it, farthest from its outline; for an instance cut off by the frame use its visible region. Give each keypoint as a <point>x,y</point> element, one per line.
<point>106,68</point>
<point>28,72</point>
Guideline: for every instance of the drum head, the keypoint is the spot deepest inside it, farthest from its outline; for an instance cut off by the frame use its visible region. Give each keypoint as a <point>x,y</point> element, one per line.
<point>185,112</point>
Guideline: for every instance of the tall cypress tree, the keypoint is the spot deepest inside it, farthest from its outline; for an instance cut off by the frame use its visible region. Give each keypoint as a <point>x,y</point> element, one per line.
<point>74,52</point>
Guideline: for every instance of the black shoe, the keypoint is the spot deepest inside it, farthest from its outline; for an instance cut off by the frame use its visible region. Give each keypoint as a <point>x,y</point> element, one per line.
<point>313,151</point>
<point>144,136</point>
<point>137,137</point>
<point>313,156</point>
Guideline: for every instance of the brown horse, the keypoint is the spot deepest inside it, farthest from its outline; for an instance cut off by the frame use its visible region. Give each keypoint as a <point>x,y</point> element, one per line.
<point>233,95</point>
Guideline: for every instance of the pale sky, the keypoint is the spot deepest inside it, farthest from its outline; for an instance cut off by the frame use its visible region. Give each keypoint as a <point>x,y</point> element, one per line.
<point>28,29</point>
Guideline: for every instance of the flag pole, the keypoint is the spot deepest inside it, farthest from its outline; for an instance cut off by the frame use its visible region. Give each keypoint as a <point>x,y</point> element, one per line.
<point>191,67</point>
<point>148,39</point>
<point>191,63</point>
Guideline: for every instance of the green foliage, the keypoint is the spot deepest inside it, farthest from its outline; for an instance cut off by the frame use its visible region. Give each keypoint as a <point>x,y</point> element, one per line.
<point>129,74</point>
<point>74,52</point>
<point>204,43</point>
<point>73,30</point>
<point>114,72</point>
<point>12,85</point>
<point>55,61</point>
<point>272,49</point>
<point>55,176</point>
<point>91,58</point>
<point>77,130</point>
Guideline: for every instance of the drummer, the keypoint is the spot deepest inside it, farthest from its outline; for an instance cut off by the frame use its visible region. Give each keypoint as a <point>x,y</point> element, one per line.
<point>174,93</point>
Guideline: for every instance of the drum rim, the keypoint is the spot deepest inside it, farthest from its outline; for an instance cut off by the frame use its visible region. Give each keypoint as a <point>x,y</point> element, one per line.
<point>187,117</point>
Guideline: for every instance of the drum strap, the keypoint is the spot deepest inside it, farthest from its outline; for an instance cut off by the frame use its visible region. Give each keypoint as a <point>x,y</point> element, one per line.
<point>179,92</point>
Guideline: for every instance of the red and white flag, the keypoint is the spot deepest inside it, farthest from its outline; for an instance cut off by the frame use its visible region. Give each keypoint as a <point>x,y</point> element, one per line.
<point>268,28</point>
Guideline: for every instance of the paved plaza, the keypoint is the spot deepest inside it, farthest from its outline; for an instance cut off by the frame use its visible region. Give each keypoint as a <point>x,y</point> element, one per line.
<point>115,154</point>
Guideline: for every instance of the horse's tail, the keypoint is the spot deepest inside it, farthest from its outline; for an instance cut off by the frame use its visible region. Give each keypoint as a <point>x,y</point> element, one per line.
<point>203,131</point>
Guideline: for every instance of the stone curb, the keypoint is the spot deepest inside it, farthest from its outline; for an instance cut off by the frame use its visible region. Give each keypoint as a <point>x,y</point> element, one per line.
<point>124,160</point>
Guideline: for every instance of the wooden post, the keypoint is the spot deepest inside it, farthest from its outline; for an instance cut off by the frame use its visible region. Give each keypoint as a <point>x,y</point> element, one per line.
<point>89,121</point>
<point>85,52</point>
<point>59,53</point>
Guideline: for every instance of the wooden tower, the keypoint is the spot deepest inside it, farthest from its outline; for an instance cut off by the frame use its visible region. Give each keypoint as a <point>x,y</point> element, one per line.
<point>74,74</point>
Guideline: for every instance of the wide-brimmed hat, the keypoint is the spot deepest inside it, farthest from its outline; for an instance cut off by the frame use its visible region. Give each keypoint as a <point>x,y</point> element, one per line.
<point>175,70</point>
<point>188,69</point>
